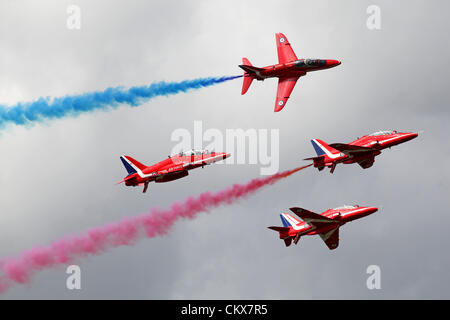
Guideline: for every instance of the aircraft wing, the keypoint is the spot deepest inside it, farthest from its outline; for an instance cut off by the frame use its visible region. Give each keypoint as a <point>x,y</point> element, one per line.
<point>285,52</point>
<point>350,149</point>
<point>367,163</point>
<point>331,238</point>
<point>313,219</point>
<point>285,87</point>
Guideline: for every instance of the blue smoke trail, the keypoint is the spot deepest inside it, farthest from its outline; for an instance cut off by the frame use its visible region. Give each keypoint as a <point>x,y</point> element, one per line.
<point>46,108</point>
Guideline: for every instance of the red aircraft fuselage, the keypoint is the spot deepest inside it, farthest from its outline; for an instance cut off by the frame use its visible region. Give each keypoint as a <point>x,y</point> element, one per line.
<point>362,151</point>
<point>294,69</point>
<point>172,168</point>
<point>288,70</point>
<point>325,224</point>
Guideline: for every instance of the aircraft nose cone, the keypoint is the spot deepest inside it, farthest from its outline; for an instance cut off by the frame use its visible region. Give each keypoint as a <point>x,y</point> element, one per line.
<point>367,211</point>
<point>333,63</point>
<point>371,210</point>
<point>409,136</point>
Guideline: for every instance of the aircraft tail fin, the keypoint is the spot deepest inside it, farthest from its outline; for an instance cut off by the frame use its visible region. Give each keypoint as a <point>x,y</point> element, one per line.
<point>288,220</point>
<point>132,166</point>
<point>323,148</point>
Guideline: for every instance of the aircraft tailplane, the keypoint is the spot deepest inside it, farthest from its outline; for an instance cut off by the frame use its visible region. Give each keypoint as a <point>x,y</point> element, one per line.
<point>250,74</point>
<point>248,79</point>
<point>287,221</point>
<point>279,229</point>
<point>284,234</point>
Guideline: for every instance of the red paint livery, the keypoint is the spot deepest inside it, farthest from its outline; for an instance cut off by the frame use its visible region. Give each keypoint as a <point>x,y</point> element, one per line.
<point>288,70</point>
<point>362,151</point>
<point>326,224</point>
<point>172,168</point>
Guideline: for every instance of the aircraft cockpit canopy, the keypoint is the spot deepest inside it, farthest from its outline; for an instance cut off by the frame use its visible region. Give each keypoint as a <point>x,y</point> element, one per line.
<point>311,62</point>
<point>194,152</point>
<point>383,133</point>
<point>346,207</point>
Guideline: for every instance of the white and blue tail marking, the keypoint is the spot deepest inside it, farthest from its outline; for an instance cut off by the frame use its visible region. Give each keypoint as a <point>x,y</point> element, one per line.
<point>128,166</point>
<point>133,166</point>
<point>323,149</point>
<point>288,220</point>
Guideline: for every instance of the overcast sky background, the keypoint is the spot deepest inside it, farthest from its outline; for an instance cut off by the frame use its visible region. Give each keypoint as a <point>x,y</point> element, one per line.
<point>58,178</point>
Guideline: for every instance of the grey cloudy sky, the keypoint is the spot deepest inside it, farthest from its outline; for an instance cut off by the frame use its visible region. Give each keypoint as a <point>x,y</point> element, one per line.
<point>58,178</point>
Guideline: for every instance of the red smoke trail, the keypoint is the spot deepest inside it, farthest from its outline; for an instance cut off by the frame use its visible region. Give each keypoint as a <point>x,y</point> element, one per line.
<point>157,222</point>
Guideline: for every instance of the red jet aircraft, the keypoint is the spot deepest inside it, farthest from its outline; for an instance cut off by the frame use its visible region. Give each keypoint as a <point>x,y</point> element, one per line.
<point>172,168</point>
<point>362,151</point>
<point>326,224</point>
<point>288,70</point>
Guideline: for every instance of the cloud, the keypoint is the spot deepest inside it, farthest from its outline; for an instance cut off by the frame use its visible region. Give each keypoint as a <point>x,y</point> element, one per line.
<point>394,78</point>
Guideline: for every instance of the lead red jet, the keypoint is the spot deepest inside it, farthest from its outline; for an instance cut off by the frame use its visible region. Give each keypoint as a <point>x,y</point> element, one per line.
<point>325,224</point>
<point>288,70</point>
<point>172,168</point>
<point>362,151</point>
